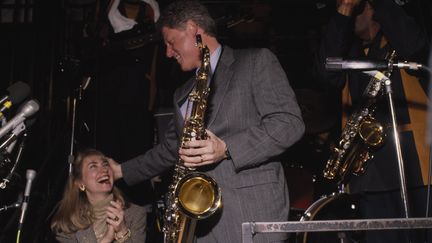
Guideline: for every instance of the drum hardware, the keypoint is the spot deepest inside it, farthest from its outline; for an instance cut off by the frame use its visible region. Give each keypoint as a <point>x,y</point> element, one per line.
<point>338,205</point>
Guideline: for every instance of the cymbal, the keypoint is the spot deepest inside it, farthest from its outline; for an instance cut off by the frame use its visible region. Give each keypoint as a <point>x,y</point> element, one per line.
<point>318,113</point>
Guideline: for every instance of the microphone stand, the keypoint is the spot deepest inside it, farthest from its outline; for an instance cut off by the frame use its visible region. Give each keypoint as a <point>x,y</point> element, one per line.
<point>77,92</point>
<point>388,90</point>
<point>71,156</point>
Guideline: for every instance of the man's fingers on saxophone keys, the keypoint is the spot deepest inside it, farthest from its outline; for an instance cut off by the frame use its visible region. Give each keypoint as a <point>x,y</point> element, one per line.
<point>193,160</point>
<point>194,148</point>
<point>197,161</point>
<point>195,144</point>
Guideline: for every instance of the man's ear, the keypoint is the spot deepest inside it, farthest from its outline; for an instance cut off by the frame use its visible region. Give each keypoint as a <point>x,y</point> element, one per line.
<point>192,27</point>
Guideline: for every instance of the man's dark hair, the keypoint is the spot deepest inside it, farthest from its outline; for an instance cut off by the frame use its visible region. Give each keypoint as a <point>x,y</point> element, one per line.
<point>177,14</point>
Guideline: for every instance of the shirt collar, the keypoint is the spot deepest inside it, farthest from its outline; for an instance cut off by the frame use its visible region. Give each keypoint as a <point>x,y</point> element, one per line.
<point>214,58</point>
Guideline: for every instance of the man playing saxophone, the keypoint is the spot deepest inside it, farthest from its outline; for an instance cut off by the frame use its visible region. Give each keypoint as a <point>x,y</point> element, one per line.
<point>373,29</point>
<point>252,116</point>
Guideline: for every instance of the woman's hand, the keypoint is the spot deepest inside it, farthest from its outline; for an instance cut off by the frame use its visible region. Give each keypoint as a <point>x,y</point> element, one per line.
<point>109,235</point>
<point>115,217</point>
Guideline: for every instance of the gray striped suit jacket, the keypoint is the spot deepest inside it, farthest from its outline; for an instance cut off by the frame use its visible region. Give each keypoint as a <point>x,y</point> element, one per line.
<point>254,110</point>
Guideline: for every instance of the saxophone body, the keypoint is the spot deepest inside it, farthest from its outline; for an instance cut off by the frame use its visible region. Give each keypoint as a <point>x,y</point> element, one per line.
<point>192,195</point>
<point>360,136</point>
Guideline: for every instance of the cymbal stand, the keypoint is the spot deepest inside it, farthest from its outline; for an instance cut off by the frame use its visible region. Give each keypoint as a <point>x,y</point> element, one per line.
<point>388,91</point>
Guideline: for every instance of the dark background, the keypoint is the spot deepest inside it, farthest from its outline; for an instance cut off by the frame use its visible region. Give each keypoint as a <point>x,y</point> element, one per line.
<point>52,45</point>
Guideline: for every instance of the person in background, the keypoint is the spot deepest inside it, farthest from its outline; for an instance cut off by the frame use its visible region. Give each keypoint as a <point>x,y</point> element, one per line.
<point>373,29</point>
<point>252,117</point>
<point>93,209</point>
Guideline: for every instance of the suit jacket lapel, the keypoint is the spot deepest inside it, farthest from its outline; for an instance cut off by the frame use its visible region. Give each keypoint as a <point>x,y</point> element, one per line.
<point>218,88</point>
<point>219,84</point>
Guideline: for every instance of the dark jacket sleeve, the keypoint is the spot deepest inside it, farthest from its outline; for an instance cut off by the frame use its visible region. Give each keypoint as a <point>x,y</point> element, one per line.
<point>336,41</point>
<point>401,31</point>
<point>405,35</point>
<point>154,161</point>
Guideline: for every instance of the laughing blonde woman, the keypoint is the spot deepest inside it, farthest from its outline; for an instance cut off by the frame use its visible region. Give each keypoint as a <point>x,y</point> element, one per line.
<point>93,209</point>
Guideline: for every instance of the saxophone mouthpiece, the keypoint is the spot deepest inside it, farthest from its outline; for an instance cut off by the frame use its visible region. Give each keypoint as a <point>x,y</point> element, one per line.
<point>198,42</point>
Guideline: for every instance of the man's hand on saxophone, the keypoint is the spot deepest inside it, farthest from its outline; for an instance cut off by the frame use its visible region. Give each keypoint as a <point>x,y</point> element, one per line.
<point>203,152</point>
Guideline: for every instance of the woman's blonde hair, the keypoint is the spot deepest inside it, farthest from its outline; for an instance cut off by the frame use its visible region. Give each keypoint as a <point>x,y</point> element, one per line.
<point>75,211</point>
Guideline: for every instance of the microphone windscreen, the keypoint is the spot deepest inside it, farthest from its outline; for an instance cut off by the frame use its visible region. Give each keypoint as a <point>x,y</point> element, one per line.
<point>18,92</point>
<point>30,174</point>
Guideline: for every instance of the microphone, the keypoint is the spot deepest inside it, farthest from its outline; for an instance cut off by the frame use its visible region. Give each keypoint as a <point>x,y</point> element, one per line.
<point>30,175</point>
<point>339,64</point>
<point>28,109</point>
<point>17,92</point>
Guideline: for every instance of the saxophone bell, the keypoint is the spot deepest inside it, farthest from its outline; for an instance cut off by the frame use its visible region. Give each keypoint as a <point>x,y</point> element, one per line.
<point>198,194</point>
<point>372,132</point>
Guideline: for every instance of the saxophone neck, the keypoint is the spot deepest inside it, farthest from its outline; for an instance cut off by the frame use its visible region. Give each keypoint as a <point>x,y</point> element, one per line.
<point>204,70</point>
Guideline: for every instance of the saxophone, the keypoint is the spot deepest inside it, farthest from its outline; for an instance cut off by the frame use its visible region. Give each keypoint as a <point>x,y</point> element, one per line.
<point>192,195</point>
<point>361,134</point>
